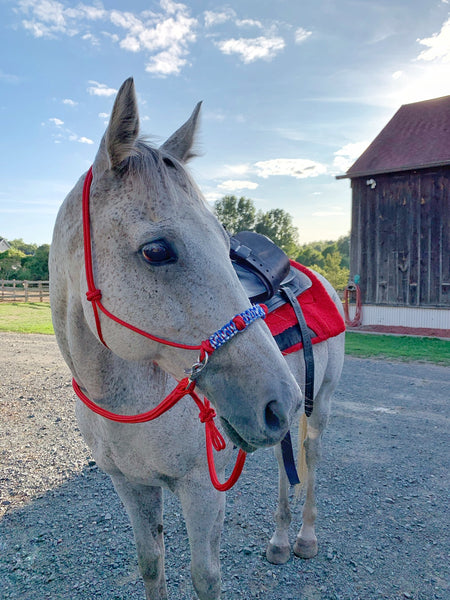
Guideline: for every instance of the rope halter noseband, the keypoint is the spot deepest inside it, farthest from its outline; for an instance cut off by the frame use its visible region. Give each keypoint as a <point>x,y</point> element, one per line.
<point>187,385</point>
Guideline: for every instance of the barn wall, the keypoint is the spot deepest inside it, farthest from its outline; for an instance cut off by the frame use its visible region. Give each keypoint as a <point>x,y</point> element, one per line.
<point>400,238</point>
<point>401,316</point>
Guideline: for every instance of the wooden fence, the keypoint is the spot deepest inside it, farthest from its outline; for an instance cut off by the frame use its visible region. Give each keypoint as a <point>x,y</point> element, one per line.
<point>24,291</point>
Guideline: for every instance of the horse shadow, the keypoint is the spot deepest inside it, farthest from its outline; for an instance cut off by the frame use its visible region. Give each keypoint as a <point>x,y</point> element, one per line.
<point>75,541</point>
<point>380,476</point>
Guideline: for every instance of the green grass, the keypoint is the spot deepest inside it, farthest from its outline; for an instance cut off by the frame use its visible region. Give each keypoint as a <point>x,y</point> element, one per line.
<point>404,348</point>
<point>35,317</point>
<point>26,317</point>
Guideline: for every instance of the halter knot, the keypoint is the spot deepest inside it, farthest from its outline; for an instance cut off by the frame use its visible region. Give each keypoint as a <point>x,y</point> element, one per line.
<point>207,413</point>
<point>206,416</point>
<point>94,295</point>
<point>205,348</point>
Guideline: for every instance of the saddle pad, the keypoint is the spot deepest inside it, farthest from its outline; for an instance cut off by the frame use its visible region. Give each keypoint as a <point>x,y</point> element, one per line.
<point>319,310</point>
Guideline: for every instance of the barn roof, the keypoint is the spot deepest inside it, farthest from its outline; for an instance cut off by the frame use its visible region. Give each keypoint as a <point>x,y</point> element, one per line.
<point>417,137</point>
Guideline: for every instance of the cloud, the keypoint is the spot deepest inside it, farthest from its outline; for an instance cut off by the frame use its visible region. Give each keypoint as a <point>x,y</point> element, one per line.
<point>438,45</point>
<point>300,168</point>
<point>212,197</point>
<point>238,169</point>
<point>235,184</point>
<point>8,78</point>
<point>251,49</point>
<point>92,13</point>
<point>218,18</point>
<point>91,38</point>
<point>168,62</point>
<point>164,35</point>
<point>249,23</point>
<point>84,140</point>
<point>301,35</point>
<point>100,89</point>
<point>346,156</point>
<point>69,102</point>
<point>61,133</point>
<point>73,137</point>
<point>47,18</point>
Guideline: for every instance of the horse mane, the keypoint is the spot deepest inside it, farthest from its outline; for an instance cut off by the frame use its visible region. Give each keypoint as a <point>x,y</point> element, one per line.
<point>159,171</point>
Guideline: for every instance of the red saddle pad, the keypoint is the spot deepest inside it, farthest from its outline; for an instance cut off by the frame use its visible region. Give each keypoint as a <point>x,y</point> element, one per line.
<point>319,310</point>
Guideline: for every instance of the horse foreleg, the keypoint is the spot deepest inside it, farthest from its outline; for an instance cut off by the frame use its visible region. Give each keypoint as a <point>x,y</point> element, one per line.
<point>279,550</point>
<point>144,506</point>
<point>203,510</point>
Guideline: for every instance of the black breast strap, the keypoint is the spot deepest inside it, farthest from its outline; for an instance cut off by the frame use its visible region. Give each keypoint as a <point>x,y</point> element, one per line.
<point>307,351</point>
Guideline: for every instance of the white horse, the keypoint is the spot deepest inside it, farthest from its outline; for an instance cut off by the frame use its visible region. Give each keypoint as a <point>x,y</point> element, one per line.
<point>161,260</point>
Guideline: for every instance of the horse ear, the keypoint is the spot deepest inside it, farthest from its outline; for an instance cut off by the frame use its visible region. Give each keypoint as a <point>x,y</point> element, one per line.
<point>180,144</point>
<point>118,143</point>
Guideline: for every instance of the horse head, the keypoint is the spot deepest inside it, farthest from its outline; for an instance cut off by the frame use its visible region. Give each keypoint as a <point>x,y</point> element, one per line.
<point>161,260</point>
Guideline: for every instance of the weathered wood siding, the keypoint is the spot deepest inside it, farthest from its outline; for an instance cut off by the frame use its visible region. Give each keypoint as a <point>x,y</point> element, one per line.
<point>400,239</point>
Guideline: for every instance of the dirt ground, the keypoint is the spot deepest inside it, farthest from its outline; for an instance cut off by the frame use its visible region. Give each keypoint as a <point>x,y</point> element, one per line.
<point>382,495</point>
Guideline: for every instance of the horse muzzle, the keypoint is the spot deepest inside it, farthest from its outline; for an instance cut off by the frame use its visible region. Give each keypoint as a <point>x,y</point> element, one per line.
<point>265,426</point>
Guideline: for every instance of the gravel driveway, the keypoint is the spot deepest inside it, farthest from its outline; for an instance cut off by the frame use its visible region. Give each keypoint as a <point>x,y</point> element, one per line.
<point>382,495</point>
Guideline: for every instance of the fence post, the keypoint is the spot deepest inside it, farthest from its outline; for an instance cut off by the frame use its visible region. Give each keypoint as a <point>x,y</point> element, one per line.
<point>40,290</point>
<point>3,289</point>
<point>14,290</point>
<point>25,289</point>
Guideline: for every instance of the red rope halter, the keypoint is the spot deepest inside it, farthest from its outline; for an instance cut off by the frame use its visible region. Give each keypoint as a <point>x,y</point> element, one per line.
<point>187,385</point>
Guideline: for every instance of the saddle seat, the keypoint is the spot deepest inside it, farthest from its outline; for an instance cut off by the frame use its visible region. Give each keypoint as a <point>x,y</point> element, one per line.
<point>264,269</point>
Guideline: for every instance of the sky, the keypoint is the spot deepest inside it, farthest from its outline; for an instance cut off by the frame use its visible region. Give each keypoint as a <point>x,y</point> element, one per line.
<point>293,92</point>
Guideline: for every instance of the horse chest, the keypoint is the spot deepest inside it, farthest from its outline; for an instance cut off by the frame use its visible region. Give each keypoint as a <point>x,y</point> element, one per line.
<point>147,453</point>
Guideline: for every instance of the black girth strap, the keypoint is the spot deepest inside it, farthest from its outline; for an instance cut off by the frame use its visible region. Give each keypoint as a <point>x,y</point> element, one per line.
<point>307,351</point>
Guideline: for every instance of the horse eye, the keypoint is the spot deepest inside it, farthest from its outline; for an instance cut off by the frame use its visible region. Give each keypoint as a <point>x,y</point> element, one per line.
<point>158,252</point>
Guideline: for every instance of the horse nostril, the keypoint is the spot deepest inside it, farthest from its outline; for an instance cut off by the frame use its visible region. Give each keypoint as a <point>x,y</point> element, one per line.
<point>274,416</point>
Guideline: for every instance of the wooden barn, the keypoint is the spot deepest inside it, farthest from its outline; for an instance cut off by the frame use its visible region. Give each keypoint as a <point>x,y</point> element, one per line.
<point>400,238</point>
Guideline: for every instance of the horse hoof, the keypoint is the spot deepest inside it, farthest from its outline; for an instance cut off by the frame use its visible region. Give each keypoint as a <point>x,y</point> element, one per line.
<point>305,548</point>
<point>278,555</point>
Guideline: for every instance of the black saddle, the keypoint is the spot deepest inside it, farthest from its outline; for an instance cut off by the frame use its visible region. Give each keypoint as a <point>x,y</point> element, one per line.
<point>264,269</point>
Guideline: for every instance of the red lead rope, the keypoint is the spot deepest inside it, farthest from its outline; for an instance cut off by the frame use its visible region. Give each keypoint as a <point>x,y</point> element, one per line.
<point>186,386</point>
<point>206,416</point>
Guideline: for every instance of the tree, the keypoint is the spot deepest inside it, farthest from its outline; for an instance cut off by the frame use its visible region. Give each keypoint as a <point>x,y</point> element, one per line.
<point>310,256</point>
<point>343,245</point>
<point>277,225</point>
<point>236,215</point>
<point>35,267</point>
<point>330,259</point>
<point>10,263</point>
<point>19,244</point>
<point>333,271</point>
<point>315,253</point>
<point>240,215</point>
